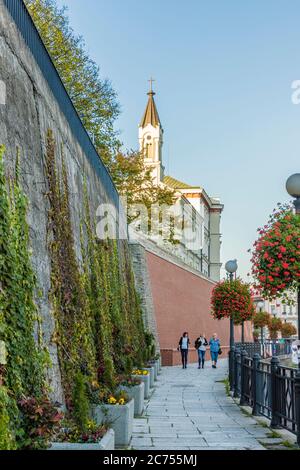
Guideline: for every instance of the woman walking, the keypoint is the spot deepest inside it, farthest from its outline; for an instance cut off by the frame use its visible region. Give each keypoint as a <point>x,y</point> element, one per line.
<point>184,348</point>
<point>215,349</point>
<point>200,345</point>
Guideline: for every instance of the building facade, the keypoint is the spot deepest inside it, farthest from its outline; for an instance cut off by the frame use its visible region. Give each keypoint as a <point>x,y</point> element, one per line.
<point>199,215</point>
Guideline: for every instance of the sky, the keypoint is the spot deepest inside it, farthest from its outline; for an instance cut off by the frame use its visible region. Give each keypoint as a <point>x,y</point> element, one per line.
<point>224,71</point>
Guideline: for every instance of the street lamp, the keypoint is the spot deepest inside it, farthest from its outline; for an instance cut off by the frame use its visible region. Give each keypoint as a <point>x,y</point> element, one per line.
<point>231,268</point>
<point>293,188</point>
<point>260,305</point>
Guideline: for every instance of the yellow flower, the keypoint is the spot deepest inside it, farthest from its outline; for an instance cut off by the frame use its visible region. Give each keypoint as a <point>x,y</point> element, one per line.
<point>145,372</point>
<point>121,401</point>
<point>95,384</point>
<point>112,401</point>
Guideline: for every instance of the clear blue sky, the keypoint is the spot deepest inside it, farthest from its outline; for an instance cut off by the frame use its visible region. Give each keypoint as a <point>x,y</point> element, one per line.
<point>223,73</point>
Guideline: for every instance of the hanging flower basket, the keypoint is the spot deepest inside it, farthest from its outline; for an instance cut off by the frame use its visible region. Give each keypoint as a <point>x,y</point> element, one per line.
<point>232,299</point>
<point>261,319</point>
<point>288,330</point>
<point>276,255</point>
<point>274,326</point>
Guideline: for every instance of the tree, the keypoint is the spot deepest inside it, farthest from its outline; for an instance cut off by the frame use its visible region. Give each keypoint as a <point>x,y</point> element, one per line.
<point>134,180</point>
<point>94,98</point>
<point>96,103</point>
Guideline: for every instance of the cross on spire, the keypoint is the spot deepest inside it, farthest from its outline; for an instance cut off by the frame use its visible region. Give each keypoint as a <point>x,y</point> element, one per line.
<point>151,81</point>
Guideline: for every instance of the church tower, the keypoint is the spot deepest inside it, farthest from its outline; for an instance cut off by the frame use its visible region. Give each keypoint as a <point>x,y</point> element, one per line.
<point>151,138</point>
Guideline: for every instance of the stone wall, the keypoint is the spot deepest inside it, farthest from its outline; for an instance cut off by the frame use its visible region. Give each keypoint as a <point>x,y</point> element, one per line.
<point>27,112</point>
<point>143,286</point>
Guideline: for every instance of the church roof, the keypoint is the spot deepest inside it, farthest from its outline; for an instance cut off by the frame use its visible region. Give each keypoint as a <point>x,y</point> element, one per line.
<point>176,184</point>
<point>150,115</point>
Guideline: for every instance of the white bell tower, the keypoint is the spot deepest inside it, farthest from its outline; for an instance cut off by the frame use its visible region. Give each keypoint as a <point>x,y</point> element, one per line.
<point>151,138</point>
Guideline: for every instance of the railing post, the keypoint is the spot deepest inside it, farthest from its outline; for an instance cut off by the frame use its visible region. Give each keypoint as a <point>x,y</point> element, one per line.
<point>237,358</point>
<point>256,359</point>
<point>297,403</point>
<point>244,354</point>
<point>274,367</point>
<point>231,367</point>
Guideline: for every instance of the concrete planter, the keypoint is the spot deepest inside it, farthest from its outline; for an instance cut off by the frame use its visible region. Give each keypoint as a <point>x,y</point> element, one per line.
<point>107,443</point>
<point>120,419</point>
<point>154,365</point>
<point>146,381</point>
<point>158,366</point>
<point>137,393</point>
<point>151,372</point>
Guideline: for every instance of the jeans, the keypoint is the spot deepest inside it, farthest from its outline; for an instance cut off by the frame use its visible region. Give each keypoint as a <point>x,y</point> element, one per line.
<point>214,356</point>
<point>201,357</point>
<point>184,356</point>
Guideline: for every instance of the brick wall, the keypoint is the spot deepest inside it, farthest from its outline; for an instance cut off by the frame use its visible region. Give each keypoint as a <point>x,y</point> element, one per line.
<point>182,303</point>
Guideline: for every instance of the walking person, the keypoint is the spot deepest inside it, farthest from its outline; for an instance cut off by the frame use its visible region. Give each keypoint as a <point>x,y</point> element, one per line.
<point>200,345</point>
<point>184,343</point>
<point>215,349</point>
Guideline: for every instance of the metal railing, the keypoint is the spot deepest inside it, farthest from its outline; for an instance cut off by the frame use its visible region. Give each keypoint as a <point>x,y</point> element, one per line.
<point>25,25</point>
<point>269,388</point>
<point>267,348</point>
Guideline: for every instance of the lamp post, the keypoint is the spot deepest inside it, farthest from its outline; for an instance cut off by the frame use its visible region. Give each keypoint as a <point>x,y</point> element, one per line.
<point>293,188</point>
<point>260,305</point>
<point>231,268</point>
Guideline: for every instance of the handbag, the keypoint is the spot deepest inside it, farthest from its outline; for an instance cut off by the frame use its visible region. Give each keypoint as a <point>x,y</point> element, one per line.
<point>220,351</point>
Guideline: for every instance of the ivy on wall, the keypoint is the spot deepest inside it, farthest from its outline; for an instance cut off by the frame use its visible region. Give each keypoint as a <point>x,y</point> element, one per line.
<point>99,325</point>
<point>73,333</point>
<point>99,329</point>
<point>23,375</point>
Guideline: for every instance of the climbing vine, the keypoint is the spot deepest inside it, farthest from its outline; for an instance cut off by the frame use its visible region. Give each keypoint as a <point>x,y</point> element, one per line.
<point>23,375</point>
<point>73,332</point>
<point>99,326</point>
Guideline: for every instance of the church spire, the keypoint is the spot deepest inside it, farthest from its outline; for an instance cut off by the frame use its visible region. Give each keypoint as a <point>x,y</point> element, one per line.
<point>150,115</point>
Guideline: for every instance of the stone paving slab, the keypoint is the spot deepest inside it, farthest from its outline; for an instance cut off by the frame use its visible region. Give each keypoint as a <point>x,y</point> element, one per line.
<point>189,410</point>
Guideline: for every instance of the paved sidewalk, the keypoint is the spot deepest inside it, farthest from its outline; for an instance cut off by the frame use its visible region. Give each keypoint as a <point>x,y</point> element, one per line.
<point>189,409</point>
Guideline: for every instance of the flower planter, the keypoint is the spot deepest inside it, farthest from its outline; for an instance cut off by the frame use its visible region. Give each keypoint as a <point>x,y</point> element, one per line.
<point>137,393</point>
<point>120,419</point>
<point>154,365</point>
<point>151,372</point>
<point>158,363</point>
<point>146,381</point>
<point>106,443</point>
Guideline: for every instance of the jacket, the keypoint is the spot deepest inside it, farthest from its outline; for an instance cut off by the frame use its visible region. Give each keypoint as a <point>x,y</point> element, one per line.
<point>198,343</point>
<point>180,342</point>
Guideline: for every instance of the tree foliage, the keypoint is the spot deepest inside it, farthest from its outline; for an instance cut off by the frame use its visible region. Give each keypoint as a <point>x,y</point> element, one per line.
<point>133,180</point>
<point>96,103</point>
<point>93,97</point>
